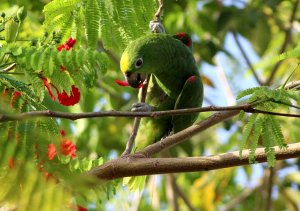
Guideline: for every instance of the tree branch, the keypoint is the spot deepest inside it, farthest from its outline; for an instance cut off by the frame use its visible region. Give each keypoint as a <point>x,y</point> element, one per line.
<point>270,182</point>
<point>159,10</point>
<point>185,134</point>
<point>288,34</point>
<point>113,56</point>
<point>293,85</point>
<point>8,68</point>
<point>75,116</point>
<point>180,193</point>
<point>136,123</point>
<point>171,194</point>
<point>241,197</point>
<point>131,166</point>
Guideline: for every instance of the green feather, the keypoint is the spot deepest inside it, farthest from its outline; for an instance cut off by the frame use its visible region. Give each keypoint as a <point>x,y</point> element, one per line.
<point>171,65</point>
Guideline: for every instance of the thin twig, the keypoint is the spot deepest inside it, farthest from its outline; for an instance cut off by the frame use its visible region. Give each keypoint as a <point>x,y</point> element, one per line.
<point>288,35</point>
<point>171,194</point>
<point>136,123</point>
<point>248,108</point>
<point>236,39</point>
<point>180,193</point>
<point>14,73</point>
<point>293,85</point>
<point>240,198</point>
<point>270,182</point>
<point>159,10</point>
<point>132,166</point>
<point>260,187</point>
<point>112,55</point>
<point>8,68</point>
<point>253,110</point>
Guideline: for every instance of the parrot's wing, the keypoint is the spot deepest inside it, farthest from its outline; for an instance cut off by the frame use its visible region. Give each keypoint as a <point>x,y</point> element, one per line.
<point>191,96</point>
<point>185,39</point>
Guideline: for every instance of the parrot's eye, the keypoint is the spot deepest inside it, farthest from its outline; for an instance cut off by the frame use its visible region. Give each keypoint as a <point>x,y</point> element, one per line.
<point>138,63</point>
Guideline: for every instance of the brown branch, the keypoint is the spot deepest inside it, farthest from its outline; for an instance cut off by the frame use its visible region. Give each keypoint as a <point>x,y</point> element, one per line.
<point>288,35</point>
<point>112,55</point>
<point>270,183</point>
<point>180,193</point>
<point>131,166</point>
<point>159,10</point>
<point>171,194</point>
<point>183,135</point>
<point>75,116</point>
<point>136,123</point>
<point>293,85</point>
<point>249,191</point>
<point>8,68</point>
<point>253,110</point>
<point>241,197</point>
<point>246,58</point>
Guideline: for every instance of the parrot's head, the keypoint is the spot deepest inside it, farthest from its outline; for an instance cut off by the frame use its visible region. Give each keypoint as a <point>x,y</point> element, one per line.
<point>140,58</point>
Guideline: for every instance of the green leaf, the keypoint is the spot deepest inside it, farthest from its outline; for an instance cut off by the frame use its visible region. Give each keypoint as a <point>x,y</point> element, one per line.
<point>247,92</point>
<point>255,137</point>
<point>247,131</point>
<point>38,87</point>
<point>276,129</point>
<point>92,17</point>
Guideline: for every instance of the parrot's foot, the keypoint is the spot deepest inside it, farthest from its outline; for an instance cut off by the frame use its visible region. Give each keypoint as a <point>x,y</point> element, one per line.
<point>141,107</point>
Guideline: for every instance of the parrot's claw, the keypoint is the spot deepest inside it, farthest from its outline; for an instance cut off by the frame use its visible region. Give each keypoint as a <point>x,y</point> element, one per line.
<point>141,107</point>
<point>156,27</point>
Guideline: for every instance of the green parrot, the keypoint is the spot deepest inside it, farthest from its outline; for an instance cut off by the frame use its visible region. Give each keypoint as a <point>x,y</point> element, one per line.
<point>175,82</point>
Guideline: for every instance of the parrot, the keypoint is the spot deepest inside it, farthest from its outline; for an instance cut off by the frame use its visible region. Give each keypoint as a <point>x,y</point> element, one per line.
<point>175,82</point>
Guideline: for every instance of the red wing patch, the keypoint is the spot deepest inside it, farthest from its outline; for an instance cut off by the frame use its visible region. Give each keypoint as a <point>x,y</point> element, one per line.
<point>192,78</point>
<point>184,38</point>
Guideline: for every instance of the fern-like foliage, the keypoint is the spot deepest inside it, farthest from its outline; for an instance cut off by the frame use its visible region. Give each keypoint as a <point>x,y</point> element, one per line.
<point>116,22</point>
<point>31,179</point>
<point>264,127</point>
<point>294,53</point>
<point>65,16</point>
<point>82,66</point>
<point>27,174</point>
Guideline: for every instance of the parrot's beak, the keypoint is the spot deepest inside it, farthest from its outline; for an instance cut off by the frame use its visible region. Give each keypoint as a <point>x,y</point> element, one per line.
<point>135,80</point>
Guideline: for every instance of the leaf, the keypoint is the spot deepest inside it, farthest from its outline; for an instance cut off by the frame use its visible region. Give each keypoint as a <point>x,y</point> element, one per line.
<point>241,115</point>
<point>247,131</point>
<point>59,16</point>
<point>255,137</point>
<point>276,129</point>
<point>92,17</point>
<point>268,141</point>
<point>248,92</point>
<point>38,87</point>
